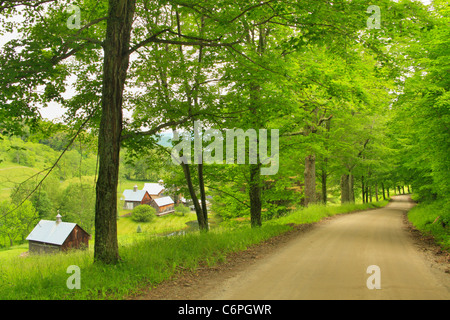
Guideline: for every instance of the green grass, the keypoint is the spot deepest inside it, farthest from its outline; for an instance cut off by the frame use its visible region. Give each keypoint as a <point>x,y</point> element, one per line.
<point>12,174</point>
<point>126,228</point>
<point>424,217</point>
<point>317,212</point>
<point>13,252</point>
<point>144,263</point>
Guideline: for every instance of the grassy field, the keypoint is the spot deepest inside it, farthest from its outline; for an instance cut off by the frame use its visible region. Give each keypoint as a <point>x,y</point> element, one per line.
<point>10,175</point>
<point>147,259</point>
<point>432,219</point>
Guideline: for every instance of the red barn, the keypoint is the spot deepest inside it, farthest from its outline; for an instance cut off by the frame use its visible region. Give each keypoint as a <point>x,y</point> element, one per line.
<point>135,197</point>
<point>163,205</point>
<point>53,236</point>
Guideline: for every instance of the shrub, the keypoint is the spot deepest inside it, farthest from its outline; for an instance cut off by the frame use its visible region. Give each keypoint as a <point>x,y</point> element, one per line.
<point>181,210</point>
<point>143,213</point>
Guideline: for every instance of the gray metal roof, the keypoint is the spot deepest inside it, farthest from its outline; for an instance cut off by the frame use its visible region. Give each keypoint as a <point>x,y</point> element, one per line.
<point>153,188</point>
<point>51,232</point>
<point>164,201</point>
<point>131,195</point>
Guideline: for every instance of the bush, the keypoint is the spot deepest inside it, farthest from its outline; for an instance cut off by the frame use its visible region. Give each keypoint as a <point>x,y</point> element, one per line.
<point>431,218</point>
<point>143,213</point>
<point>181,210</point>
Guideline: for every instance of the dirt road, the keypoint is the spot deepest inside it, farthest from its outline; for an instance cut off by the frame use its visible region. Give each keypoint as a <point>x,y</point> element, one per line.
<point>331,261</point>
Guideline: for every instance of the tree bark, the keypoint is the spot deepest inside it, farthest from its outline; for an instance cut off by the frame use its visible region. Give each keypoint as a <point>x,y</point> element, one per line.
<point>202,224</point>
<point>325,163</point>
<point>363,193</point>
<point>324,186</point>
<point>376,191</point>
<point>345,194</point>
<point>201,185</point>
<point>255,195</point>
<point>310,180</point>
<point>115,66</point>
<point>351,188</point>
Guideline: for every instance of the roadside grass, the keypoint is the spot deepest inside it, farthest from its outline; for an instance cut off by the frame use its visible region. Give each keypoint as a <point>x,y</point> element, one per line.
<point>317,212</point>
<point>146,259</point>
<point>433,218</point>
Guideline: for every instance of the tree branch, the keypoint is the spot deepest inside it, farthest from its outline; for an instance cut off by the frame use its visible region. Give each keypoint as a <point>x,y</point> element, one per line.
<point>146,41</point>
<point>251,8</point>
<point>204,42</point>
<point>15,3</point>
<point>306,132</point>
<point>156,129</point>
<point>228,194</point>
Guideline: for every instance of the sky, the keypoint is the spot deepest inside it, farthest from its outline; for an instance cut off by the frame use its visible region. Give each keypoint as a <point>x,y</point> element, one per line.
<point>54,111</point>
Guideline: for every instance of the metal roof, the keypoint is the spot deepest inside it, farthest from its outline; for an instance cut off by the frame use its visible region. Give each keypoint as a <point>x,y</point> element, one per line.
<point>131,195</point>
<point>153,188</point>
<point>164,201</point>
<point>51,232</point>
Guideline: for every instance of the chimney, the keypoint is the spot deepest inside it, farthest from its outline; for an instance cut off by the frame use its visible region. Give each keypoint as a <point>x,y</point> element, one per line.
<point>161,182</point>
<point>135,188</point>
<point>58,218</point>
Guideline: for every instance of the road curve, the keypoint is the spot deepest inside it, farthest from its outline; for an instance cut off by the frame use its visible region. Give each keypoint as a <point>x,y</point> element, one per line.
<point>331,262</point>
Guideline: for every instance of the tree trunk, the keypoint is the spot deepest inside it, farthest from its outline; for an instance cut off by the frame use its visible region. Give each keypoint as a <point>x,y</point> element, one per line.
<point>351,188</point>
<point>363,190</point>
<point>325,163</point>
<point>115,66</point>
<point>202,224</point>
<point>255,195</point>
<point>345,196</point>
<point>324,186</point>
<point>376,191</point>
<point>310,180</point>
<point>382,188</point>
<point>201,185</point>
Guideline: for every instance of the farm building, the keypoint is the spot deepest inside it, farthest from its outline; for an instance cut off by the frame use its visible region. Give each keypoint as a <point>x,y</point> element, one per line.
<point>54,236</point>
<point>155,190</point>
<point>135,197</point>
<point>163,205</point>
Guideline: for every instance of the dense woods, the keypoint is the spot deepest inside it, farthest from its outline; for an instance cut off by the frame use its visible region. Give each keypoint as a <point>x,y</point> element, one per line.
<point>362,112</point>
